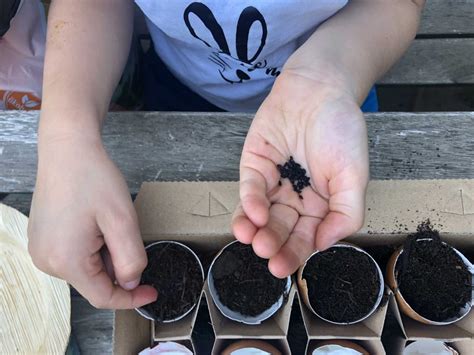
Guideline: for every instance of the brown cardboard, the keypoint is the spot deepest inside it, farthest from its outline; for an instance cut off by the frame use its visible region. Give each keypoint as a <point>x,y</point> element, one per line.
<point>367,332</point>
<point>132,332</point>
<point>368,329</point>
<point>275,327</point>
<point>198,214</point>
<point>413,330</point>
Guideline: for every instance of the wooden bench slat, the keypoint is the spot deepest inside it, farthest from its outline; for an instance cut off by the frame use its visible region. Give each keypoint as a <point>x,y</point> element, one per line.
<point>451,17</point>
<point>207,146</point>
<point>435,61</point>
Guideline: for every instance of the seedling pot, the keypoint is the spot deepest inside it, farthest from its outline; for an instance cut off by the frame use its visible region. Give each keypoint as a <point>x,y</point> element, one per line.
<point>227,267</point>
<point>179,276</point>
<point>392,279</point>
<point>343,252</point>
<point>243,347</point>
<point>337,346</point>
<point>429,346</point>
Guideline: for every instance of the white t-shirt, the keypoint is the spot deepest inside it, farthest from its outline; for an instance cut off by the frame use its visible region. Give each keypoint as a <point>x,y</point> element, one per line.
<point>229,52</point>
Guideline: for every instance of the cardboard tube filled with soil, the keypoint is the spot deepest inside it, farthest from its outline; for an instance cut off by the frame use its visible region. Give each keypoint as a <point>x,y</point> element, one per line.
<point>341,285</point>
<point>431,280</point>
<point>253,347</point>
<point>177,274</point>
<point>242,287</point>
<point>337,347</point>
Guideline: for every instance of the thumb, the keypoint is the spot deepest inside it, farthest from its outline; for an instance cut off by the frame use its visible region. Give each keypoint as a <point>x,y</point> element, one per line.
<point>125,245</point>
<point>346,217</point>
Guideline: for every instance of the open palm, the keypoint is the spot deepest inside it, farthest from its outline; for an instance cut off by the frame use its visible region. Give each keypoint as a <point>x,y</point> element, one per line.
<point>324,131</point>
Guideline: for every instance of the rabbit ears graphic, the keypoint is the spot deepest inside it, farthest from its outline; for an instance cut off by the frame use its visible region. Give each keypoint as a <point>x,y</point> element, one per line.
<point>247,18</point>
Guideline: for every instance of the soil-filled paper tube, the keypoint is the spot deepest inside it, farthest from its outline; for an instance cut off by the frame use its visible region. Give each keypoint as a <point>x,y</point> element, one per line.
<point>177,274</point>
<point>250,347</point>
<point>242,287</point>
<point>432,347</point>
<point>337,347</point>
<point>431,280</point>
<point>341,285</point>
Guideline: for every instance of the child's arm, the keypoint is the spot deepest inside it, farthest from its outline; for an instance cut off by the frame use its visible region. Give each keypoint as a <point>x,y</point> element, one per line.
<point>81,201</point>
<point>312,114</point>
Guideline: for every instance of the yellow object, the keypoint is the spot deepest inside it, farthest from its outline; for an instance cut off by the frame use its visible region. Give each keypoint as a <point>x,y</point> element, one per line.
<point>35,308</point>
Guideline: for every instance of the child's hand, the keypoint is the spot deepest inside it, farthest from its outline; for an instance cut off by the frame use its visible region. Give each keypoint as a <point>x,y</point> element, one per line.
<point>81,204</point>
<point>324,130</point>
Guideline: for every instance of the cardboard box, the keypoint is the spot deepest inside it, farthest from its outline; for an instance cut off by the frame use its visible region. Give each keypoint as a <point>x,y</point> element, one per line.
<point>367,333</point>
<point>459,335</point>
<point>199,213</point>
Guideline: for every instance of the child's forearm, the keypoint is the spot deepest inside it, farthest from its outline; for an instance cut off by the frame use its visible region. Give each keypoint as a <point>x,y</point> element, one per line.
<point>359,44</point>
<point>87,46</point>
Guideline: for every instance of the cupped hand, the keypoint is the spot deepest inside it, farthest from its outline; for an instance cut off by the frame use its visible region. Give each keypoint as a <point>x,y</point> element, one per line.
<point>323,129</point>
<point>83,227</point>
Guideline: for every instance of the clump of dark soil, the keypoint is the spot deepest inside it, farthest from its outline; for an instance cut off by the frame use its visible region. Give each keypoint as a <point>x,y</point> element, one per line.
<point>343,284</point>
<point>432,278</point>
<point>243,282</point>
<point>176,274</point>
<point>293,171</point>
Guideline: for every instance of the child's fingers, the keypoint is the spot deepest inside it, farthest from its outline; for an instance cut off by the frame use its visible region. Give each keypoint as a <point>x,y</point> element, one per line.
<point>253,196</point>
<point>242,228</point>
<point>269,239</point>
<point>102,293</point>
<point>125,245</point>
<point>299,246</point>
<point>346,216</point>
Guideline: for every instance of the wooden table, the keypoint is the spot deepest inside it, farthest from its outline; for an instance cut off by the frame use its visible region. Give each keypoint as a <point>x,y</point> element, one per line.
<point>200,146</point>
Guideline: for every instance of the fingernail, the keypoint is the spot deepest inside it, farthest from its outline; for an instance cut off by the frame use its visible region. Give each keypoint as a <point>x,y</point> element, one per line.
<point>131,284</point>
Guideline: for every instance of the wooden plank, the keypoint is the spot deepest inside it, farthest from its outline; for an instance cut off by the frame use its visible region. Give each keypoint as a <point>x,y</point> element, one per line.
<point>435,61</point>
<point>207,146</point>
<point>452,17</point>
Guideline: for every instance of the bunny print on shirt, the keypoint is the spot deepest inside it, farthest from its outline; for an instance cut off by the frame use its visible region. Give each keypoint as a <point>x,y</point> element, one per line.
<point>230,52</point>
<point>232,70</point>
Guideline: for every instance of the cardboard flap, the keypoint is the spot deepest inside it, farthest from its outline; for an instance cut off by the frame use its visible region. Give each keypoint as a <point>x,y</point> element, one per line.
<point>464,346</point>
<point>132,332</point>
<point>205,208</point>
<point>396,312</point>
<point>367,329</point>
<point>398,204</point>
<point>448,333</point>
<point>317,328</point>
<point>171,208</point>
<point>414,330</point>
<point>377,320</point>
<point>273,328</point>
<point>467,323</point>
<point>180,330</point>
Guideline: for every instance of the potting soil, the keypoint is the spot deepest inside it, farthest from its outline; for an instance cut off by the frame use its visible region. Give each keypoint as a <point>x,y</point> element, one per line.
<point>176,274</point>
<point>243,282</point>
<point>343,284</point>
<point>431,277</point>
